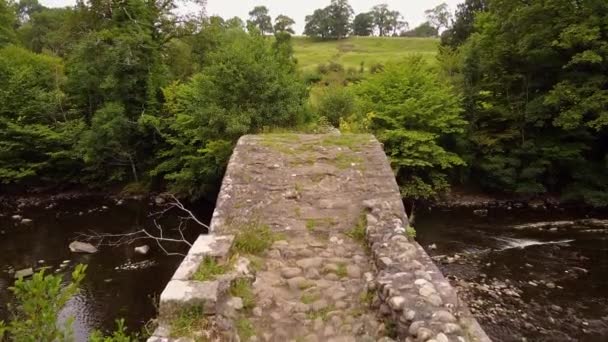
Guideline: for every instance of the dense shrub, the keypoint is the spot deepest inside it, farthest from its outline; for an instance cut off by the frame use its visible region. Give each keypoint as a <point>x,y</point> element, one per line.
<point>415,114</point>
<point>334,103</point>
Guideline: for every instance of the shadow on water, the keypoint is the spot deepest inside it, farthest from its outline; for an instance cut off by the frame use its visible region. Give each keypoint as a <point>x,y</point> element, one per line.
<point>113,287</point>
<point>524,284</point>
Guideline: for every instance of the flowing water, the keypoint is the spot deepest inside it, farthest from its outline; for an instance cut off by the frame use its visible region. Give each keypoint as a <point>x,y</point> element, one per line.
<point>119,283</point>
<point>524,284</point>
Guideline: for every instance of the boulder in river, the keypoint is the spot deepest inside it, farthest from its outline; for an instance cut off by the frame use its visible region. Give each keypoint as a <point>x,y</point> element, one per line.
<point>17,217</point>
<point>82,247</point>
<point>24,273</point>
<point>481,212</point>
<point>143,250</point>
<point>26,222</point>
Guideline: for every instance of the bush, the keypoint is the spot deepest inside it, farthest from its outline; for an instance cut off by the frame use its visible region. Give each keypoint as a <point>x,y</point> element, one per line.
<point>335,67</point>
<point>311,77</point>
<point>376,68</point>
<point>322,69</point>
<point>39,301</point>
<point>414,113</point>
<point>336,102</point>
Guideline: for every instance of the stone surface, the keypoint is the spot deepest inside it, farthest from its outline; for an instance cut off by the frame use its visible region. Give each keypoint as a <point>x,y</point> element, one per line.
<point>143,250</point>
<point>24,273</point>
<point>82,247</point>
<point>181,294</point>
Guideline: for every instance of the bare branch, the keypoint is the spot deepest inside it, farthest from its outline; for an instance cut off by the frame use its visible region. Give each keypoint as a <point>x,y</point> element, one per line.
<point>114,240</point>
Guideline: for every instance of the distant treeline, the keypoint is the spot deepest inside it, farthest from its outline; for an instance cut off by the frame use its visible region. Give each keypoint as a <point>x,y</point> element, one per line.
<point>336,22</point>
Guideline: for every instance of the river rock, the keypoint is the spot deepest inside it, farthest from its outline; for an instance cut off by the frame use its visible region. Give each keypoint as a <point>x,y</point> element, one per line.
<point>159,200</point>
<point>26,222</point>
<point>24,273</point>
<point>17,217</point>
<point>143,250</point>
<point>82,247</point>
<point>481,212</point>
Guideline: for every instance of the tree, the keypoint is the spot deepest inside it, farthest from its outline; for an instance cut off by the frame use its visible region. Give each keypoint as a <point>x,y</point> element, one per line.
<point>363,24</point>
<point>116,74</point>
<point>36,131</point>
<point>439,17</point>
<point>317,24</point>
<point>235,22</point>
<point>333,21</point>
<point>246,85</point>
<point>340,14</point>
<point>423,30</point>
<point>283,23</point>
<point>259,18</point>
<point>26,8</point>
<point>395,23</point>
<point>48,29</point>
<point>462,27</point>
<point>7,23</point>
<point>381,15</point>
<point>537,90</point>
<point>416,116</point>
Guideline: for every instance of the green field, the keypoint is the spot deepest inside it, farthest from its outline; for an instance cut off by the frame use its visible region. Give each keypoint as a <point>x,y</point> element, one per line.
<point>352,51</point>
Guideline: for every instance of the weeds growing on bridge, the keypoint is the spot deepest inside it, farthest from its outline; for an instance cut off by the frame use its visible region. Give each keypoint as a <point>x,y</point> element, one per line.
<point>209,269</point>
<point>254,238</point>
<point>188,323</point>
<point>242,288</point>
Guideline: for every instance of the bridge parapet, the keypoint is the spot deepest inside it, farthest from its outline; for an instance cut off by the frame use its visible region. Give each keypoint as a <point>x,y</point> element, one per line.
<point>335,262</point>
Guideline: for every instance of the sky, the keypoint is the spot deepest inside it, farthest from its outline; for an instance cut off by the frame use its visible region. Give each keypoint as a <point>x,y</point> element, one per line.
<point>412,10</point>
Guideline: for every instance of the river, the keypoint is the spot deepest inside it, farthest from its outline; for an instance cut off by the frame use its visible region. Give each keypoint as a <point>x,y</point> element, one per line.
<point>119,283</point>
<point>523,285</point>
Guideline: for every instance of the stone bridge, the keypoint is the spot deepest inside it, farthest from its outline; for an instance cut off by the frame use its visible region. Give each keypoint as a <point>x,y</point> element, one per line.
<point>309,241</point>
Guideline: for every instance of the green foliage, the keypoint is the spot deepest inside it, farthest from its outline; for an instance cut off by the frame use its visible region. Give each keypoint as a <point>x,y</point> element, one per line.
<point>423,30</point>
<point>463,24</point>
<point>39,302</point>
<point>246,86</point>
<point>119,335</point>
<point>358,232</point>
<point>209,269</point>
<point>363,24</point>
<point>283,23</point>
<point>331,22</point>
<point>534,76</point>
<point>336,102</point>
<point>109,139</point>
<point>241,288</point>
<point>415,115</point>
<point>410,232</point>
<point>244,328</point>
<point>7,23</point>
<point>189,322</point>
<point>254,239</point>
<point>259,19</point>
<point>387,22</point>
<point>36,134</point>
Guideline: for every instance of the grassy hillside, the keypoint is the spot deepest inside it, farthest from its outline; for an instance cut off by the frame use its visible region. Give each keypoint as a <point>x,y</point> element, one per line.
<point>352,51</point>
